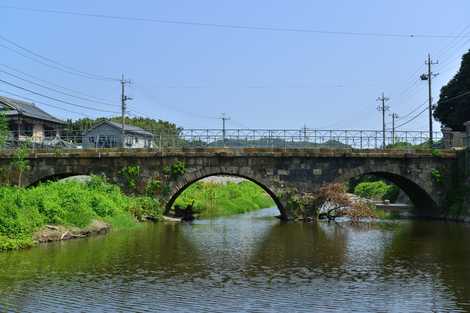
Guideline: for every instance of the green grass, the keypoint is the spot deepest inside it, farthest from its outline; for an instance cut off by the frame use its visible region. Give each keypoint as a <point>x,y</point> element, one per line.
<point>212,200</point>
<point>25,211</point>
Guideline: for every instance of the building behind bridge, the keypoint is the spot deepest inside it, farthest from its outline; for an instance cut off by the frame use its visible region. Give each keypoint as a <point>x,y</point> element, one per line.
<point>108,134</point>
<point>27,122</point>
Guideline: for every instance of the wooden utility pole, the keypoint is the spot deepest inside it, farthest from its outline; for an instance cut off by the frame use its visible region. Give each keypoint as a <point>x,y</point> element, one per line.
<point>383,108</point>
<point>429,76</point>
<point>124,98</point>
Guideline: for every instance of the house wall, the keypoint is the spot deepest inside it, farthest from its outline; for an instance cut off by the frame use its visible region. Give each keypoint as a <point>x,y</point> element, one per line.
<point>136,141</point>
<point>38,132</point>
<point>110,132</point>
<point>102,130</point>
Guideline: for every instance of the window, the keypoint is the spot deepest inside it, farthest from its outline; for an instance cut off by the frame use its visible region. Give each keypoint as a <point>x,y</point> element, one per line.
<point>91,139</point>
<point>129,141</point>
<point>107,142</point>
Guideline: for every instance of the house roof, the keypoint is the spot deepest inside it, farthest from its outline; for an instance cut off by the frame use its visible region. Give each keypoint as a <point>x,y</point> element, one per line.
<point>127,128</point>
<point>18,107</point>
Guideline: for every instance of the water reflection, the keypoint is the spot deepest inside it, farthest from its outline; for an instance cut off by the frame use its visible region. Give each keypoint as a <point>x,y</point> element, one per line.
<point>247,263</point>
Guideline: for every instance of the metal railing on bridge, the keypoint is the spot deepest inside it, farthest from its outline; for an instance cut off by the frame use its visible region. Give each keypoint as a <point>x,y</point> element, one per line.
<point>238,138</point>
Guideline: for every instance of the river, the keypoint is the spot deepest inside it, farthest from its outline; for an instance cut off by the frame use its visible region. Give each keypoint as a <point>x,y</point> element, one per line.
<point>247,263</point>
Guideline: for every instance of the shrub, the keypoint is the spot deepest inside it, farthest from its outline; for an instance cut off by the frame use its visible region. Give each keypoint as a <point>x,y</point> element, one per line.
<point>378,190</point>
<point>71,203</point>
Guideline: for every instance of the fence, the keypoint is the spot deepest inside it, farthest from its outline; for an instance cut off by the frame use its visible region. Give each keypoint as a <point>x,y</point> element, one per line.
<point>262,138</point>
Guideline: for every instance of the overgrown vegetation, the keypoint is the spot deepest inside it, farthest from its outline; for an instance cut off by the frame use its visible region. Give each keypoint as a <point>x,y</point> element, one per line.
<point>333,201</point>
<point>71,203</point>
<point>131,175</point>
<point>436,176</point>
<point>211,199</point>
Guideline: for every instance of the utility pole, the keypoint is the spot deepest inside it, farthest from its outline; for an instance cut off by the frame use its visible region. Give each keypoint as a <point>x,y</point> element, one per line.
<point>394,117</point>
<point>224,118</point>
<point>429,76</point>
<point>383,108</point>
<point>124,98</point>
<point>305,132</point>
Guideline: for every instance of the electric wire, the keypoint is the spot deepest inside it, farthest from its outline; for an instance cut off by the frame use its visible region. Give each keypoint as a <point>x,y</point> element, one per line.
<point>57,64</point>
<point>57,91</point>
<point>412,119</point>
<point>229,26</point>
<point>42,103</point>
<point>56,99</point>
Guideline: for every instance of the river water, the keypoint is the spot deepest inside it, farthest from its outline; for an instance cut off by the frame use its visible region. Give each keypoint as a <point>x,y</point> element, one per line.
<point>247,263</point>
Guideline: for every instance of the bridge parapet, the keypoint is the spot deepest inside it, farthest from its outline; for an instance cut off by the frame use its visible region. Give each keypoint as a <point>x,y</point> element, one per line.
<point>255,138</point>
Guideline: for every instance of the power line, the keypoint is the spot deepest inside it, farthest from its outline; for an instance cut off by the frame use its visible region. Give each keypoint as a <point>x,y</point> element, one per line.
<point>230,26</point>
<point>52,63</point>
<point>412,119</point>
<point>41,103</point>
<point>149,95</point>
<point>96,99</point>
<point>56,90</point>
<point>414,110</point>
<point>56,99</point>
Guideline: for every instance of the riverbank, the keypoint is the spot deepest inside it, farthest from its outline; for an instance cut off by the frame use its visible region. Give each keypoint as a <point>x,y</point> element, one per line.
<point>213,199</point>
<point>66,210</point>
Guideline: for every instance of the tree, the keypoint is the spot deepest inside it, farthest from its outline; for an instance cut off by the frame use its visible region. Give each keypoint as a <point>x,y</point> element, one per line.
<point>453,109</point>
<point>333,201</point>
<point>20,163</point>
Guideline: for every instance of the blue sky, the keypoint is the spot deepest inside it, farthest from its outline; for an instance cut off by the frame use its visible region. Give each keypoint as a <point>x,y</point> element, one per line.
<point>191,74</point>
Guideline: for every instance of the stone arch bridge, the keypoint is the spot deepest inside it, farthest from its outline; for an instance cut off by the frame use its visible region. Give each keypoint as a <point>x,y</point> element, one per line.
<point>425,177</point>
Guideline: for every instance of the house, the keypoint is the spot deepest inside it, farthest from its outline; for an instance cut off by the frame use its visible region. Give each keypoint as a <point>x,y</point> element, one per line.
<point>28,122</point>
<point>108,134</point>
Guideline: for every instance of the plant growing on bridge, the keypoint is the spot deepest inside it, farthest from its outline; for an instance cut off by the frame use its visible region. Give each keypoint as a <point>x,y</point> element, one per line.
<point>177,169</point>
<point>20,163</point>
<point>153,187</point>
<point>436,176</point>
<point>436,153</point>
<point>131,174</point>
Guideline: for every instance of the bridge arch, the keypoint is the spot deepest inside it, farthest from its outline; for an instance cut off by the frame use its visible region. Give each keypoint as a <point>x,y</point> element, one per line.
<point>417,190</point>
<point>53,177</point>
<point>187,180</point>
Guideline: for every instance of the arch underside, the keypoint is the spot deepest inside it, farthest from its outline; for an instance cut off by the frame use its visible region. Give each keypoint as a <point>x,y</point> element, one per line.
<point>423,203</point>
<point>188,182</point>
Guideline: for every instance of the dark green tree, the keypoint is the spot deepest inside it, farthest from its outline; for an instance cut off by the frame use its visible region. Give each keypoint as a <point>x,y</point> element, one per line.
<point>453,108</point>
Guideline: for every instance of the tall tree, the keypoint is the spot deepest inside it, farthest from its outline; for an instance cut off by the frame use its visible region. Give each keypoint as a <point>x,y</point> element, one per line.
<point>453,107</point>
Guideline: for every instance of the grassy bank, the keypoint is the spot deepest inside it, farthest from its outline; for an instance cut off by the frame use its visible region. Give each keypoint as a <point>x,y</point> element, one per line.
<point>72,204</point>
<point>212,199</point>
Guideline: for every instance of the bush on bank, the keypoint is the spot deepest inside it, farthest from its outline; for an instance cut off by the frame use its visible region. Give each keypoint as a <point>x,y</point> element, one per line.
<point>377,190</point>
<point>212,199</point>
<point>76,204</point>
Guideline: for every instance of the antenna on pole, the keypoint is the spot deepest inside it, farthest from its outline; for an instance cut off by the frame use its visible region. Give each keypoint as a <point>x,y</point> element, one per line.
<point>124,98</point>
<point>383,108</point>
